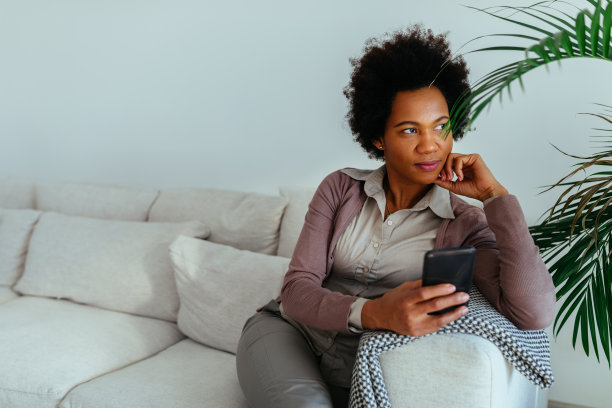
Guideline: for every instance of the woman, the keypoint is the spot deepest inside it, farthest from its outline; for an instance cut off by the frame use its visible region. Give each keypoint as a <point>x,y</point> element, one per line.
<point>358,262</point>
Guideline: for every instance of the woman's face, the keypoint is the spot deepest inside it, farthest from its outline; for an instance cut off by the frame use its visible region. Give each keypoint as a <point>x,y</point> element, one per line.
<point>413,144</point>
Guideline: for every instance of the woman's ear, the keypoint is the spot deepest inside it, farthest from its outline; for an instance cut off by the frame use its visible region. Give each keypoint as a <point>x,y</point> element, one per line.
<point>379,144</point>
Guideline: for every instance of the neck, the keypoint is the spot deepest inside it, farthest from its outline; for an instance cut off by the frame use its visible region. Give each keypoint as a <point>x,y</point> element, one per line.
<point>401,194</point>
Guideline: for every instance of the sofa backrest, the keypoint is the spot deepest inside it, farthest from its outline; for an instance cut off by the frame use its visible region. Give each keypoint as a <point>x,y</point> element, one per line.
<point>243,220</point>
<point>96,200</point>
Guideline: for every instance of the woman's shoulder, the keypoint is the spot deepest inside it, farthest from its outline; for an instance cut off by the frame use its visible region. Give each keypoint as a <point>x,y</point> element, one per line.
<point>344,178</point>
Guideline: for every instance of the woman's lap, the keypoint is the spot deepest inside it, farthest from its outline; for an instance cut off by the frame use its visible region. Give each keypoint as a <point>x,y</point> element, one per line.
<point>276,367</point>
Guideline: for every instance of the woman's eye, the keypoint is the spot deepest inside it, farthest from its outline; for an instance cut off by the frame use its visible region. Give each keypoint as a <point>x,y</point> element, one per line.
<point>440,126</point>
<point>409,130</point>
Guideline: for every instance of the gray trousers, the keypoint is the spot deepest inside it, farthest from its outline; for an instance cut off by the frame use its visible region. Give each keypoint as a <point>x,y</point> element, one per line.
<point>277,368</point>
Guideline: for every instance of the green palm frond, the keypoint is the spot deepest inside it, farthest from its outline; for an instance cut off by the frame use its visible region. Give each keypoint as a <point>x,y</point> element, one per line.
<point>575,239</point>
<point>576,242</point>
<point>558,37</point>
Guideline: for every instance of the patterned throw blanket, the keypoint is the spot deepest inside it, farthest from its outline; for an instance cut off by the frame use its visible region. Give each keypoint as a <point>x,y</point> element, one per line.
<point>528,351</point>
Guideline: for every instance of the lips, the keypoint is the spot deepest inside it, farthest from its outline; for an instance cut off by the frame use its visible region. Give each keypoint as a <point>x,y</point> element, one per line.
<point>428,165</point>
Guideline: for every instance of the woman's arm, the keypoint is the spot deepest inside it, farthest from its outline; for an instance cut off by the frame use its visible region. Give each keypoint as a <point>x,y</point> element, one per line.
<point>302,295</point>
<point>509,270</point>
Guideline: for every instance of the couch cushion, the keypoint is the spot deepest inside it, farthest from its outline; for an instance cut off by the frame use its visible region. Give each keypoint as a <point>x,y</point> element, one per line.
<point>240,219</point>
<point>220,287</point>
<point>186,375</point>
<point>16,194</point>
<point>15,231</point>
<point>293,218</point>
<point>118,265</point>
<point>96,200</point>
<point>48,346</point>
<point>6,294</point>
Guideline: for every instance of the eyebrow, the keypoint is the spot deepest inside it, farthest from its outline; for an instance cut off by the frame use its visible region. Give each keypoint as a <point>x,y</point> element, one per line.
<point>409,122</point>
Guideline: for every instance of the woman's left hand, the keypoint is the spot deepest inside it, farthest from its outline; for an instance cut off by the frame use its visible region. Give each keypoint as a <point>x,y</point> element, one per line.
<point>474,179</point>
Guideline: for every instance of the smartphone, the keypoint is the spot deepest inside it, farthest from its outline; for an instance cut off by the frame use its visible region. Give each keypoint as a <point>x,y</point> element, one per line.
<point>450,265</point>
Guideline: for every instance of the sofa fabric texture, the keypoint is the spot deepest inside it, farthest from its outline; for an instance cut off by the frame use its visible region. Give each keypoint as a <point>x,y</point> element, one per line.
<point>186,375</point>
<point>220,287</point>
<point>7,294</point>
<point>48,346</point>
<point>117,265</point>
<point>239,219</point>
<point>95,200</point>
<point>15,231</point>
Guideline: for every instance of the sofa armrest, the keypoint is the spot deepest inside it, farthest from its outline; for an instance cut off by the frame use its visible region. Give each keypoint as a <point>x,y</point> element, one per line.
<point>455,370</point>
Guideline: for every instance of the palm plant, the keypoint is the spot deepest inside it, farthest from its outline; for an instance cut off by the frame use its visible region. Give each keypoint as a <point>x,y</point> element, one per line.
<point>576,238</point>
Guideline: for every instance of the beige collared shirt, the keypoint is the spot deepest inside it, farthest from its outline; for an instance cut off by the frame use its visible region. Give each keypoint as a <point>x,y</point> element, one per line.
<point>374,255</point>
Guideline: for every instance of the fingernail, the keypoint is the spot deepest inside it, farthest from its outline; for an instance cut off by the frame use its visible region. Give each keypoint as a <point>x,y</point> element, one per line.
<point>450,288</point>
<point>465,297</point>
<point>464,310</point>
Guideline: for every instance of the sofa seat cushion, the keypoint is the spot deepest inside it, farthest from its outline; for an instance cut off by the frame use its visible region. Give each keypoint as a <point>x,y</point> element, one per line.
<point>6,294</point>
<point>48,346</point>
<point>186,375</point>
<point>240,219</point>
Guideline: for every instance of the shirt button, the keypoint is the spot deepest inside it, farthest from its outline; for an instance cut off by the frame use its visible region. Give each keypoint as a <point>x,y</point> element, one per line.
<point>376,245</point>
<point>366,269</point>
<point>389,222</point>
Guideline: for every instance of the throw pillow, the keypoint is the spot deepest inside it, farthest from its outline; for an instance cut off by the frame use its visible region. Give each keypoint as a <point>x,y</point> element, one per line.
<point>117,265</point>
<point>220,287</point>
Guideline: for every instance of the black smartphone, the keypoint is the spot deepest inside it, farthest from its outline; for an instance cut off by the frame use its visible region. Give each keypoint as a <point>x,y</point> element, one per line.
<point>450,265</point>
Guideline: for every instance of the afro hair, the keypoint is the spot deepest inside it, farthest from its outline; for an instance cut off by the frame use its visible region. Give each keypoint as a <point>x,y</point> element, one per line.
<point>409,60</point>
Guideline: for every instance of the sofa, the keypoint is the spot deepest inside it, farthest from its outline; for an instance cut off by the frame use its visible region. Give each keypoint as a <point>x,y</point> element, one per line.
<point>117,296</point>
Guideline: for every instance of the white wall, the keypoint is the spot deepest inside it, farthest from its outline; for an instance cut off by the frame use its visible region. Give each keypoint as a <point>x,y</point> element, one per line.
<point>248,95</point>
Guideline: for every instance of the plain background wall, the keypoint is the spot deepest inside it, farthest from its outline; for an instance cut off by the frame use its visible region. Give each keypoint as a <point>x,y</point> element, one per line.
<point>247,95</point>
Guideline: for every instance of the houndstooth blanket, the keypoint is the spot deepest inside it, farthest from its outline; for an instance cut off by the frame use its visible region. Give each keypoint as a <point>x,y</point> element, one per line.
<point>528,351</point>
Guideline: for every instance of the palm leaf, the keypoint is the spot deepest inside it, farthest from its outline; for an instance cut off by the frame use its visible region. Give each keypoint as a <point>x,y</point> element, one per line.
<point>575,237</point>
<point>585,35</point>
<point>575,240</point>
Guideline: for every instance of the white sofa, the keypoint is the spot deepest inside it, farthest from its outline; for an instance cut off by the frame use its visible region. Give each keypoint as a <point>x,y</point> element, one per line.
<point>114,296</point>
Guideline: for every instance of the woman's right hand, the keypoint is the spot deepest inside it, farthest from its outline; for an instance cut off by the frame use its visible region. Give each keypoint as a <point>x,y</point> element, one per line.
<point>405,309</point>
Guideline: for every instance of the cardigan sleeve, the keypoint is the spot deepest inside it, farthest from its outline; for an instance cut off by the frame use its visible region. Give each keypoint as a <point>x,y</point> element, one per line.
<point>509,270</point>
<point>302,295</point>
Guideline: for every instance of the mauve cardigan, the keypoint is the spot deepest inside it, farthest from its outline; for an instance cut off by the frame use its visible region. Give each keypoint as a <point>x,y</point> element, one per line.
<point>508,269</point>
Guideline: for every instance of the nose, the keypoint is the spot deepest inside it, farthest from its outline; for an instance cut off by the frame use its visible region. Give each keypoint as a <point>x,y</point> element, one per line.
<point>427,142</point>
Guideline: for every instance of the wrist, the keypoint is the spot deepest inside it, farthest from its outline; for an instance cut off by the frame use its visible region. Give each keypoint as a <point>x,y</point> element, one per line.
<point>494,192</point>
<point>369,314</point>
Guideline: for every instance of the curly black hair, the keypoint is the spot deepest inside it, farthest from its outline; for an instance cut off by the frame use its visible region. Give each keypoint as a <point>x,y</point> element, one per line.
<point>410,60</point>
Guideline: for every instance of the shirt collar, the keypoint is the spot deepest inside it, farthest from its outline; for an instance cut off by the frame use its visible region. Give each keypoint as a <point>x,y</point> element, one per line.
<point>437,198</point>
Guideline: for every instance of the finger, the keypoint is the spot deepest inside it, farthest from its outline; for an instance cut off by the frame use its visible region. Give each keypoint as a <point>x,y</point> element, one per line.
<point>442,302</point>
<point>426,293</point>
<point>446,318</point>
<point>448,167</point>
<point>458,165</point>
